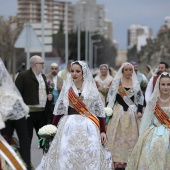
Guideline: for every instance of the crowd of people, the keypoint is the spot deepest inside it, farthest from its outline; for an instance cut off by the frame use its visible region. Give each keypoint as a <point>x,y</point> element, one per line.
<point>135,134</point>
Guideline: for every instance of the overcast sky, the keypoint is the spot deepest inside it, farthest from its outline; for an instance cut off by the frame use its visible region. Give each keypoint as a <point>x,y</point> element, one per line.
<point>122,13</point>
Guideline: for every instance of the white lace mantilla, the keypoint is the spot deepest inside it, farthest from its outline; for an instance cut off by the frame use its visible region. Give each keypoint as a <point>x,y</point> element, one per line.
<point>12,105</point>
<point>90,94</point>
<point>113,90</point>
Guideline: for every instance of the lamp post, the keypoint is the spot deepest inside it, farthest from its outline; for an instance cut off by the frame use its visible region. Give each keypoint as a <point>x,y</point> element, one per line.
<point>91,52</point>
<point>66,32</point>
<point>90,35</point>
<point>79,30</point>
<point>42,30</point>
<point>78,40</point>
<point>95,54</point>
<point>86,45</point>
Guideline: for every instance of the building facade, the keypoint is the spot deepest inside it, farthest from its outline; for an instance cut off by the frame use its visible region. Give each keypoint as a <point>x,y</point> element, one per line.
<point>90,16</point>
<point>134,33</point>
<point>54,13</point>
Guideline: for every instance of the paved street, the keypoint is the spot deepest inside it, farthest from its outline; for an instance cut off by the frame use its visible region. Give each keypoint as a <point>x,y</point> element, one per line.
<point>36,153</point>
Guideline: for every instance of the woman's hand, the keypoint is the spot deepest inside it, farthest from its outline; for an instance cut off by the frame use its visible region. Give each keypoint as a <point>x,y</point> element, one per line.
<point>103,138</point>
<point>139,115</point>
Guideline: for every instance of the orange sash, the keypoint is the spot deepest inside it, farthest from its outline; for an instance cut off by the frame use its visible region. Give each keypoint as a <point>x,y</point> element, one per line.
<point>10,157</point>
<point>126,99</point>
<point>121,91</point>
<point>81,108</point>
<point>162,116</point>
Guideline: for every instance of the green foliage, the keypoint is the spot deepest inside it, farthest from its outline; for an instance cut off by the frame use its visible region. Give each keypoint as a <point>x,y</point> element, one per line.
<point>106,54</point>
<point>131,54</point>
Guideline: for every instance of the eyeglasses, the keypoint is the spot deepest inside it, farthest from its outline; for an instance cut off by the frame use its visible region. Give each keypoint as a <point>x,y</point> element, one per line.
<point>54,68</point>
<point>40,63</point>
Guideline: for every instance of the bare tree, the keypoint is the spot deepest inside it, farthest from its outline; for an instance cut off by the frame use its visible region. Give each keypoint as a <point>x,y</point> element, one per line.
<point>9,30</point>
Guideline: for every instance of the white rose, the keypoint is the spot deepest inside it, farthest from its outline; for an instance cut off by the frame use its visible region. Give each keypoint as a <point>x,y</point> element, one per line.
<point>108,111</point>
<point>47,130</point>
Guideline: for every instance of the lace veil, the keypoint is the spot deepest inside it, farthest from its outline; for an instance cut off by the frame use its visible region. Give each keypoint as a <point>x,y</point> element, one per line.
<point>148,115</point>
<point>90,94</point>
<point>12,105</point>
<point>111,97</point>
<point>106,67</point>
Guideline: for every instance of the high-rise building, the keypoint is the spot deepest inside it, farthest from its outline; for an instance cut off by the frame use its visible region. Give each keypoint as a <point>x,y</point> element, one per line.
<point>90,16</point>
<point>167,21</point>
<point>54,12</point>
<point>108,29</point>
<point>137,33</point>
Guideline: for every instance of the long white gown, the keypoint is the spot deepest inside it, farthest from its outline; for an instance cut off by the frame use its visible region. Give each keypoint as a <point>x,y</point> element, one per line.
<point>76,146</point>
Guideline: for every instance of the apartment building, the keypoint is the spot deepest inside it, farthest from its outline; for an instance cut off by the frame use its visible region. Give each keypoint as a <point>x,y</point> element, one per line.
<point>90,16</point>
<point>54,12</point>
<point>138,34</point>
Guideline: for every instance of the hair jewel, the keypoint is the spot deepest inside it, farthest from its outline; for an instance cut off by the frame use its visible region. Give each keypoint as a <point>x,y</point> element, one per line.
<point>165,74</point>
<point>104,65</point>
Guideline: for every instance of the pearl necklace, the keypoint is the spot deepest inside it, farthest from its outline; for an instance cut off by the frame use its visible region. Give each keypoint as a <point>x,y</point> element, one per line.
<point>78,88</point>
<point>164,100</point>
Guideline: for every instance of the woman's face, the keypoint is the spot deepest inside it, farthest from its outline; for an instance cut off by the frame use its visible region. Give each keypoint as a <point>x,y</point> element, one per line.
<point>76,73</point>
<point>103,70</point>
<point>164,85</point>
<point>147,70</point>
<point>127,71</point>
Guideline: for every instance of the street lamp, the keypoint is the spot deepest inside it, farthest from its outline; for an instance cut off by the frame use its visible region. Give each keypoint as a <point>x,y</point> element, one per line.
<point>91,52</point>
<point>78,40</point>
<point>79,33</point>
<point>66,32</point>
<point>87,29</point>
<point>90,49</point>
<point>95,54</point>
<point>42,32</point>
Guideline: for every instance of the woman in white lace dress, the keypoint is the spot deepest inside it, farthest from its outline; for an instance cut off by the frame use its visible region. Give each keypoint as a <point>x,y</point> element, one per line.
<point>103,81</point>
<point>80,119</point>
<point>126,99</point>
<point>152,151</point>
<point>12,107</point>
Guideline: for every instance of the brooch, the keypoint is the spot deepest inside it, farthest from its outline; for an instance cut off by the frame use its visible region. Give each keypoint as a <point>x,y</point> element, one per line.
<point>81,98</point>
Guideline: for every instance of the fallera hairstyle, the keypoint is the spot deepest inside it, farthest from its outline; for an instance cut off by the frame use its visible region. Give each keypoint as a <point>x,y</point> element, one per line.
<point>149,67</point>
<point>126,65</point>
<point>76,62</point>
<point>165,74</point>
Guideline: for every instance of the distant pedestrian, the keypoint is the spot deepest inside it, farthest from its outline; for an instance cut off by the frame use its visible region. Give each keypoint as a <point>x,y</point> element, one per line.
<point>103,81</point>
<point>162,67</point>
<point>148,72</point>
<point>55,84</point>
<point>63,73</point>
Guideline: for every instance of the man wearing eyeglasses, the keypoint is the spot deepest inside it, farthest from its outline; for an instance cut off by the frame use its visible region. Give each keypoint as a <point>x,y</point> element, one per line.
<point>33,87</point>
<point>55,84</point>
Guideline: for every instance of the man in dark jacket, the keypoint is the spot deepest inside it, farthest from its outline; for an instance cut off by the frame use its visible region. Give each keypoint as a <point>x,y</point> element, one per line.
<point>34,90</point>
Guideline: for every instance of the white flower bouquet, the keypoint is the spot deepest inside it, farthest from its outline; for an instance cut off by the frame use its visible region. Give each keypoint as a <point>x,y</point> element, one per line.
<point>47,130</point>
<point>46,134</point>
<point>108,111</point>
